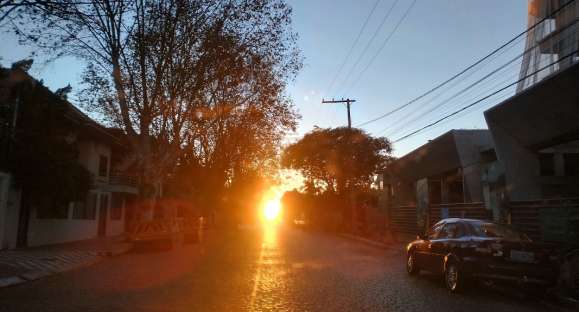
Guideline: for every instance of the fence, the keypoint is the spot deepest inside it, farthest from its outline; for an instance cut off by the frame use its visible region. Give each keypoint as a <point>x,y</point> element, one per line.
<point>459,210</point>
<point>553,220</point>
<point>404,219</point>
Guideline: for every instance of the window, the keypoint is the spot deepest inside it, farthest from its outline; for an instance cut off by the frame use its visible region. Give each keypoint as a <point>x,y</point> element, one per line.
<point>435,191</point>
<point>103,166</point>
<point>546,164</point>
<point>116,206</point>
<point>434,232</point>
<point>455,192</point>
<point>494,230</point>
<point>571,164</point>
<point>451,230</point>
<point>85,210</point>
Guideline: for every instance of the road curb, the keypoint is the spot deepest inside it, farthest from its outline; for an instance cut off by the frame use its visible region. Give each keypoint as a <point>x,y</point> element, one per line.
<point>34,275</point>
<point>372,242</point>
<point>11,281</point>
<point>114,253</point>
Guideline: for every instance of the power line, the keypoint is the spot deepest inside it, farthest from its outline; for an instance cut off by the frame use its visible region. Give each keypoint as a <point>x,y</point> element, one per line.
<point>353,46</point>
<point>493,72</point>
<point>376,32</point>
<point>448,87</point>
<point>382,46</point>
<point>484,98</point>
<point>464,70</point>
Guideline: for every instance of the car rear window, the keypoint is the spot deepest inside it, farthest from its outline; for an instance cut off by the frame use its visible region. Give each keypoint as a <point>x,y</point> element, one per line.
<point>492,230</point>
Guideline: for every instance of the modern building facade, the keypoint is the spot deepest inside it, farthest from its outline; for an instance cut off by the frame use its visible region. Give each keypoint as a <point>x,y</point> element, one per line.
<point>536,131</point>
<point>444,172</point>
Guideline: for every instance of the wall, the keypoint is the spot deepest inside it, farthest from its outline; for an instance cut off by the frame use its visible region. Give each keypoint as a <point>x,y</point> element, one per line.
<point>89,152</point>
<point>4,183</point>
<point>116,227</point>
<point>9,212</point>
<point>521,165</point>
<point>54,231</point>
<point>469,145</point>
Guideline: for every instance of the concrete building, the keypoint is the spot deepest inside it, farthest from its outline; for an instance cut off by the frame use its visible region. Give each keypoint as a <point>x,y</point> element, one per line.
<point>100,152</point>
<point>536,131</point>
<point>441,173</point>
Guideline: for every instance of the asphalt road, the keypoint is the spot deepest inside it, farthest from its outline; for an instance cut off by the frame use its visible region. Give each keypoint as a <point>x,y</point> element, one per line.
<point>254,270</point>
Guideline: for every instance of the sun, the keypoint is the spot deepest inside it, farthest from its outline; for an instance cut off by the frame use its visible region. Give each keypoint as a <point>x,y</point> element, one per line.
<point>271,207</point>
<point>272,210</point>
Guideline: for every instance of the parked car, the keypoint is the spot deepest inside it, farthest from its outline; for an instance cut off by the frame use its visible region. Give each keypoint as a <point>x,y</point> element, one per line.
<point>463,249</point>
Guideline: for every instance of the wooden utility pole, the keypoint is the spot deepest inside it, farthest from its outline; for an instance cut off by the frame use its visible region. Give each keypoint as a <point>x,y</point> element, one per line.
<point>347,101</point>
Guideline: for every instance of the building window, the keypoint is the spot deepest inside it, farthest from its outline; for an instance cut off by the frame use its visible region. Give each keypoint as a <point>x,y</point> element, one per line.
<point>85,210</point>
<point>455,192</point>
<point>116,206</point>
<point>546,164</point>
<point>571,164</point>
<point>103,166</point>
<point>52,210</point>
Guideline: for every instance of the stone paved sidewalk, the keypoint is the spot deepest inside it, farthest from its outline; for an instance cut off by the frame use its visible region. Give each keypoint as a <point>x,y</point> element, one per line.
<point>22,265</point>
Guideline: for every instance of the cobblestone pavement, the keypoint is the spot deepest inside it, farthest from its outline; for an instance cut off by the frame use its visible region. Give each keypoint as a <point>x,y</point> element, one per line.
<point>254,270</point>
<point>44,260</point>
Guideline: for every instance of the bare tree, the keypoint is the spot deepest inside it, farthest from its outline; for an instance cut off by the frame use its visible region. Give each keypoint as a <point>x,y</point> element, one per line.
<point>203,77</point>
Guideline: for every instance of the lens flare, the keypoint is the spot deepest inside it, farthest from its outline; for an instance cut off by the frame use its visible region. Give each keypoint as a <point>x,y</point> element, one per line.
<point>272,209</point>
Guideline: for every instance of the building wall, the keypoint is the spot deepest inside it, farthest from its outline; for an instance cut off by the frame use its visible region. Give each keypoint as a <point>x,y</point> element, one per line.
<point>116,227</point>
<point>521,165</point>
<point>9,212</point>
<point>54,231</point>
<point>89,153</point>
<point>4,184</point>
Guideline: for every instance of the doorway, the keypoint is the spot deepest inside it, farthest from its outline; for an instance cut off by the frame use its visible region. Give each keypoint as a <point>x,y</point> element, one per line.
<point>103,215</point>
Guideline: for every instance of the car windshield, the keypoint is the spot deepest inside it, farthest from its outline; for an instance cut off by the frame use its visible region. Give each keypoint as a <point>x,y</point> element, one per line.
<point>494,230</point>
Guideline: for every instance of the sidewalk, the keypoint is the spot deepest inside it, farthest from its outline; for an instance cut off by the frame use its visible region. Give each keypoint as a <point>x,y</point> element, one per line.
<point>27,264</point>
<point>395,246</point>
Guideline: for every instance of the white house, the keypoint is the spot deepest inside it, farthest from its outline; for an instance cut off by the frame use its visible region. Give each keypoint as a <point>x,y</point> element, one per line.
<point>105,209</point>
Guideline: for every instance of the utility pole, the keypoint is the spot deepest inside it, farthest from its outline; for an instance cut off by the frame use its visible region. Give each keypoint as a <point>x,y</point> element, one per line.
<point>347,101</point>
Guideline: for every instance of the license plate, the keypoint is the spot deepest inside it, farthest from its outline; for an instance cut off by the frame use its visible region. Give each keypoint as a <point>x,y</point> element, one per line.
<point>522,256</point>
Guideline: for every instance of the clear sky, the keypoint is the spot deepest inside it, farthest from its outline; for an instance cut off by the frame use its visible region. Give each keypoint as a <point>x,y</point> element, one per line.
<point>436,40</point>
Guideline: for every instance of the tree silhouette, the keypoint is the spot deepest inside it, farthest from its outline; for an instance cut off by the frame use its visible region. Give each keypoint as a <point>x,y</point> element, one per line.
<point>339,159</point>
<point>184,79</point>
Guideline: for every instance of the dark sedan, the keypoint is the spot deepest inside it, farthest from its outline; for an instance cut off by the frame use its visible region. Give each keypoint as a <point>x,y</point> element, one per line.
<point>462,249</point>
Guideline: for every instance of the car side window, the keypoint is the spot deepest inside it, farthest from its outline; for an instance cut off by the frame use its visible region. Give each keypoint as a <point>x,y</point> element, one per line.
<point>434,232</point>
<point>450,230</point>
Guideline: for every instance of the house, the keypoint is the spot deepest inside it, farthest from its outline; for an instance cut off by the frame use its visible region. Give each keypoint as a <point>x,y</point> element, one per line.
<point>102,212</point>
<point>438,179</point>
<point>536,132</point>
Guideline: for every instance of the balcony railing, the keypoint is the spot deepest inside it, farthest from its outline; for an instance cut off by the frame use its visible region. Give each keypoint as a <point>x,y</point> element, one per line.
<point>119,178</point>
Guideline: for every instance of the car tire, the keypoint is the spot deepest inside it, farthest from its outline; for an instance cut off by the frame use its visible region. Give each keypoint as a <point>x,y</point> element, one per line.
<point>453,278</point>
<point>411,267</point>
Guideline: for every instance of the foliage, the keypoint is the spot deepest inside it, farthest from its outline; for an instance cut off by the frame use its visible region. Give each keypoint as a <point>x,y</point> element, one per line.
<point>192,82</point>
<point>338,159</point>
<point>43,161</point>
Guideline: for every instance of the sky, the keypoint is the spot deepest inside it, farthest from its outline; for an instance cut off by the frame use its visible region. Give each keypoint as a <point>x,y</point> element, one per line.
<point>437,39</point>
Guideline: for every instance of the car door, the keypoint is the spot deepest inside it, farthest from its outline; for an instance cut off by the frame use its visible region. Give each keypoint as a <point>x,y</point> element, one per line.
<point>423,256</point>
<point>441,246</point>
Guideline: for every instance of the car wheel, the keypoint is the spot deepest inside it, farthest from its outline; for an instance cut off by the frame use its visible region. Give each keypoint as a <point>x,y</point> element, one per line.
<point>411,266</point>
<point>453,278</point>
